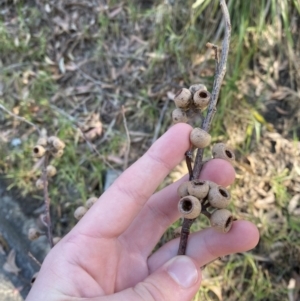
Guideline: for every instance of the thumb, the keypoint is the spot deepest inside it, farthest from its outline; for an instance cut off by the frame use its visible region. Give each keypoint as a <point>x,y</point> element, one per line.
<point>177,280</point>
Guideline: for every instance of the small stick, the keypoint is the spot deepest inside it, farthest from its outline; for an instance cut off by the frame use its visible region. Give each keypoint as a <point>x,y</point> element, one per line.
<point>220,71</point>
<point>20,118</point>
<point>188,160</point>
<point>160,120</point>
<point>184,235</point>
<point>128,139</point>
<point>47,219</point>
<point>34,259</point>
<point>219,76</point>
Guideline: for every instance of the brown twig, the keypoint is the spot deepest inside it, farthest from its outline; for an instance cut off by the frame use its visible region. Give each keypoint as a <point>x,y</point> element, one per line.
<point>219,76</point>
<point>220,71</point>
<point>47,219</point>
<point>128,139</point>
<point>20,118</point>
<point>34,259</point>
<point>160,120</point>
<point>76,126</point>
<point>185,231</point>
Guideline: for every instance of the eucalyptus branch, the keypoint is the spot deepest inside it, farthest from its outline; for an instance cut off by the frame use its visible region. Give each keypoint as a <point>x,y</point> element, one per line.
<point>220,71</point>
<point>218,80</point>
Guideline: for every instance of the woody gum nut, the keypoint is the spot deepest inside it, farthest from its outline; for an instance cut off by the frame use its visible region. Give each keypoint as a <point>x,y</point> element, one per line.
<point>212,184</point>
<point>221,220</point>
<point>58,144</point>
<point>80,212</point>
<point>33,234</point>
<point>58,153</point>
<point>196,87</point>
<point>183,98</point>
<point>56,240</point>
<point>39,184</point>
<point>221,151</point>
<point>179,115</point>
<point>42,141</point>
<point>90,202</point>
<point>201,99</point>
<point>38,151</point>
<point>189,207</point>
<point>51,171</point>
<point>198,189</point>
<point>183,189</point>
<point>200,138</point>
<point>219,197</point>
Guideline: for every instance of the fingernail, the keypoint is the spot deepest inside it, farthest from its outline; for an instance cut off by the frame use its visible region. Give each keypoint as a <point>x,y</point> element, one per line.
<point>183,270</point>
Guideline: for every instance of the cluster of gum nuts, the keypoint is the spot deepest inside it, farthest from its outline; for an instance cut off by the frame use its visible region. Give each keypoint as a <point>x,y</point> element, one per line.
<point>52,146</point>
<point>82,210</point>
<point>202,196</point>
<point>207,197</point>
<point>195,98</point>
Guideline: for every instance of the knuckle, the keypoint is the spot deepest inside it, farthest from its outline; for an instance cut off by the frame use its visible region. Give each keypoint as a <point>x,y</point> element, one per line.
<point>148,291</point>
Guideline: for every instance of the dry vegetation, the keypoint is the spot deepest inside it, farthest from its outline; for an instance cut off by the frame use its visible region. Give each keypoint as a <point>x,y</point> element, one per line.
<point>69,66</point>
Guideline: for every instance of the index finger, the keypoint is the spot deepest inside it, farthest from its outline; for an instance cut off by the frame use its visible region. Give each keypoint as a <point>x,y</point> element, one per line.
<point>112,214</point>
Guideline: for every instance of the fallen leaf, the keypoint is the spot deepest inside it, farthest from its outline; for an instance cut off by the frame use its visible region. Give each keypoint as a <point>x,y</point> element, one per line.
<point>10,264</point>
<point>293,203</point>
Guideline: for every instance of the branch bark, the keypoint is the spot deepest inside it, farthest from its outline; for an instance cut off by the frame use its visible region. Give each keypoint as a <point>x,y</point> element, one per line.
<point>220,71</point>
<point>47,218</point>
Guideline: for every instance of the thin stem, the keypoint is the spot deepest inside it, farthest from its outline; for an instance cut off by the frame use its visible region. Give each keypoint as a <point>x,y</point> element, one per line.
<point>20,118</point>
<point>185,231</point>
<point>128,139</point>
<point>220,71</point>
<point>219,76</point>
<point>47,202</point>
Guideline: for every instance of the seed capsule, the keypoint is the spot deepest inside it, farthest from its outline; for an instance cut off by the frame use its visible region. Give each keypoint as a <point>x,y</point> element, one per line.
<point>39,184</point>
<point>183,99</point>
<point>212,184</point>
<point>198,189</point>
<point>221,220</point>
<point>80,212</point>
<point>221,151</point>
<point>189,207</point>
<point>51,171</point>
<point>90,202</point>
<point>38,151</point>
<point>42,141</point>
<point>201,99</point>
<point>56,143</point>
<point>196,87</point>
<point>219,197</point>
<point>58,153</point>
<point>178,115</point>
<point>56,240</point>
<point>200,138</point>
<point>33,234</point>
<point>183,189</point>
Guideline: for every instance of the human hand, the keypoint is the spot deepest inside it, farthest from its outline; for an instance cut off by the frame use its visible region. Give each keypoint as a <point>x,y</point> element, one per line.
<point>107,255</point>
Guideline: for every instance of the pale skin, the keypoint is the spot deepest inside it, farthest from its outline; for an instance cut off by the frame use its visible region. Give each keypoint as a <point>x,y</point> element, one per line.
<point>108,255</point>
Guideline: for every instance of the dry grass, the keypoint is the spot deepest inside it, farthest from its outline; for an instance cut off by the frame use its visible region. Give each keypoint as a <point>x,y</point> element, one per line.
<point>65,63</point>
